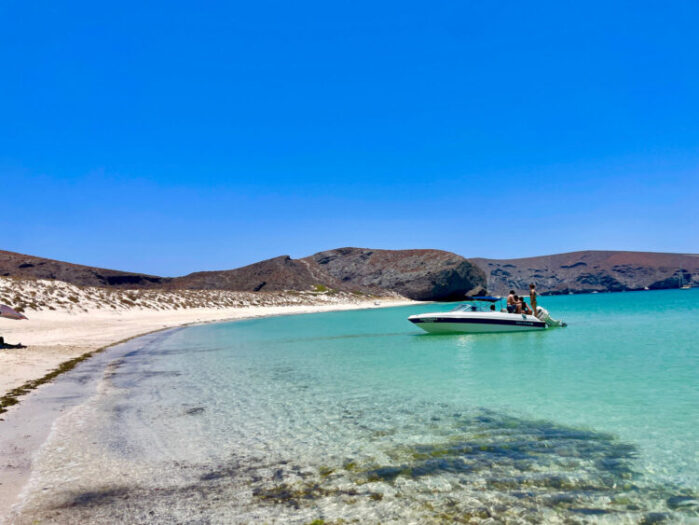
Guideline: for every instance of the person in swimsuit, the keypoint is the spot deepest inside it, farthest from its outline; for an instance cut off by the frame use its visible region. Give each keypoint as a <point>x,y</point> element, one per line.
<point>532,297</point>
<point>511,302</point>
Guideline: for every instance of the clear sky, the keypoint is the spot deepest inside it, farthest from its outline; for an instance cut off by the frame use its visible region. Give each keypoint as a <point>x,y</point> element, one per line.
<point>169,137</point>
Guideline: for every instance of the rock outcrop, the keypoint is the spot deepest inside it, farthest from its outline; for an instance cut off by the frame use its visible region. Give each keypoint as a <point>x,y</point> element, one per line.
<point>417,274</point>
<point>591,271</point>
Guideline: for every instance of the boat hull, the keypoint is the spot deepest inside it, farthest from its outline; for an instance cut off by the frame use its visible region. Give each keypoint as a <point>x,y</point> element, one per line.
<point>477,325</point>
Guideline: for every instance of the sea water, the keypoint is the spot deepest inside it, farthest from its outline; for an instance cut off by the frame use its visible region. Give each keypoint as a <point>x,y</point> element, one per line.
<point>360,417</point>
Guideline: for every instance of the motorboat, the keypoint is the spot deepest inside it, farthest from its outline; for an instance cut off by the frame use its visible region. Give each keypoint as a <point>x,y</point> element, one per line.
<point>481,315</point>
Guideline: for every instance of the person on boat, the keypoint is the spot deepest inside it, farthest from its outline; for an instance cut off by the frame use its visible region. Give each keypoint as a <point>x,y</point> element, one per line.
<point>492,307</point>
<point>518,304</point>
<point>525,309</point>
<point>511,302</point>
<point>532,296</point>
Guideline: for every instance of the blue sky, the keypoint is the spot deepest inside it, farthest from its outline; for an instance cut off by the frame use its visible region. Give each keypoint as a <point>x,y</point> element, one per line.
<point>179,136</point>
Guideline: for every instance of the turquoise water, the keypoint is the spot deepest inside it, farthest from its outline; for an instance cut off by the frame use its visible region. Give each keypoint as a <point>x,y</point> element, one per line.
<point>359,416</point>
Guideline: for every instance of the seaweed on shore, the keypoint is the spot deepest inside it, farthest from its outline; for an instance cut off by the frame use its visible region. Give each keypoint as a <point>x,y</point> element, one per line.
<point>12,397</point>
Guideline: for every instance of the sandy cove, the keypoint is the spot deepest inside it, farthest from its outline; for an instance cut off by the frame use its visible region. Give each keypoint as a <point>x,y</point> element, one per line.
<point>66,321</point>
<point>55,337</point>
<point>59,332</point>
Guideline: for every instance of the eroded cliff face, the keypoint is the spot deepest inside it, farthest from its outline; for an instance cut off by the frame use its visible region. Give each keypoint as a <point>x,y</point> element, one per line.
<point>592,271</point>
<point>424,275</point>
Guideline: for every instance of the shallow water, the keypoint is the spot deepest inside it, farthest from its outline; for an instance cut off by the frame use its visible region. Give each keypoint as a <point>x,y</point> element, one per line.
<point>358,416</point>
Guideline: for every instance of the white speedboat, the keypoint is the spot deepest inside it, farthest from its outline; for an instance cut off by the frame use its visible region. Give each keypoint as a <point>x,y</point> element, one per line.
<point>477,316</point>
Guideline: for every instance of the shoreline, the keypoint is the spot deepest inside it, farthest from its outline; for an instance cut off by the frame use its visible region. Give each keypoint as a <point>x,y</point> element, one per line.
<point>57,341</point>
<point>36,428</point>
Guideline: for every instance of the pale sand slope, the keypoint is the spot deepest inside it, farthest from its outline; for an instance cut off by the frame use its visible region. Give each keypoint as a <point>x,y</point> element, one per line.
<point>66,321</point>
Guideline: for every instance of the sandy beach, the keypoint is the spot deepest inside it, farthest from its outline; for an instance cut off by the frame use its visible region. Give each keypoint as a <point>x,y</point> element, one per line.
<point>55,337</point>
<point>67,321</point>
<point>59,331</point>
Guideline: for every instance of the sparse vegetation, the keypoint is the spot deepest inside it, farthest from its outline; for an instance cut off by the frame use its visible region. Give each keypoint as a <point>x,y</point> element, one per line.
<point>32,295</point>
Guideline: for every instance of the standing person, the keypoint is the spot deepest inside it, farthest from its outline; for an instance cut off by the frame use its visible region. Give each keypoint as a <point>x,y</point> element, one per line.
<point>511,302</point>
<point>532,297</point>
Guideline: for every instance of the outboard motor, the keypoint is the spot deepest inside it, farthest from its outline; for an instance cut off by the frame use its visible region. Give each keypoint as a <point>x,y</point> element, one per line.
<point>542,314</point>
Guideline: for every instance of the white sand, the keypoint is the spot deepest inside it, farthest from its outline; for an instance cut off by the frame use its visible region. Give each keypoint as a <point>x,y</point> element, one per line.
<point>67,321</point>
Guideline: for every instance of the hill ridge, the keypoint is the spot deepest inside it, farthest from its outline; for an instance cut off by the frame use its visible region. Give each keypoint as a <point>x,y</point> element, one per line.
<point>422,274</point>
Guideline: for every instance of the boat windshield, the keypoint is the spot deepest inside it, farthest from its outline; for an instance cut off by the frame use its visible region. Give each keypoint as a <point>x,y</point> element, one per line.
<point>468,307</point>
<point>479,305</point>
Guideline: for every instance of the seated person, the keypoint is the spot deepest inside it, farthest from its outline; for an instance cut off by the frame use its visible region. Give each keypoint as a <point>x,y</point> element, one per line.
<point>525,308</point>
<point>511,302</point>
<point>518,304</point>
<point>492,307</point>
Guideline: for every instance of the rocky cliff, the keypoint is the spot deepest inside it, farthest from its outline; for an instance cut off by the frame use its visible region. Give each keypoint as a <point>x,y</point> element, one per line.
<point>591,271</point>
<point>418,274</point>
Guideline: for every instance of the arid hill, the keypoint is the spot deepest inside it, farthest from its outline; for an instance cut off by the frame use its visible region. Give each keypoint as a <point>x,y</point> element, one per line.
<point>590,271</point>
<point>271,275</point>
<point>416,274</point>
<point>30,267</point>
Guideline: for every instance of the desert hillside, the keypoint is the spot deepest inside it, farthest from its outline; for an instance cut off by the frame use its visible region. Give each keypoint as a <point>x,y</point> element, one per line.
<point>416,274</point>
<point>31,267</point>
<point>590,271</point>
<point>425,275</point>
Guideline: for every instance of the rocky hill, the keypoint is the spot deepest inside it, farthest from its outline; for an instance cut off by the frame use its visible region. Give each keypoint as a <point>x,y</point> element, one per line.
<point>416,274</point>
<point>30,267</point>
<point>279,273</point>
<point>590,271</point>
